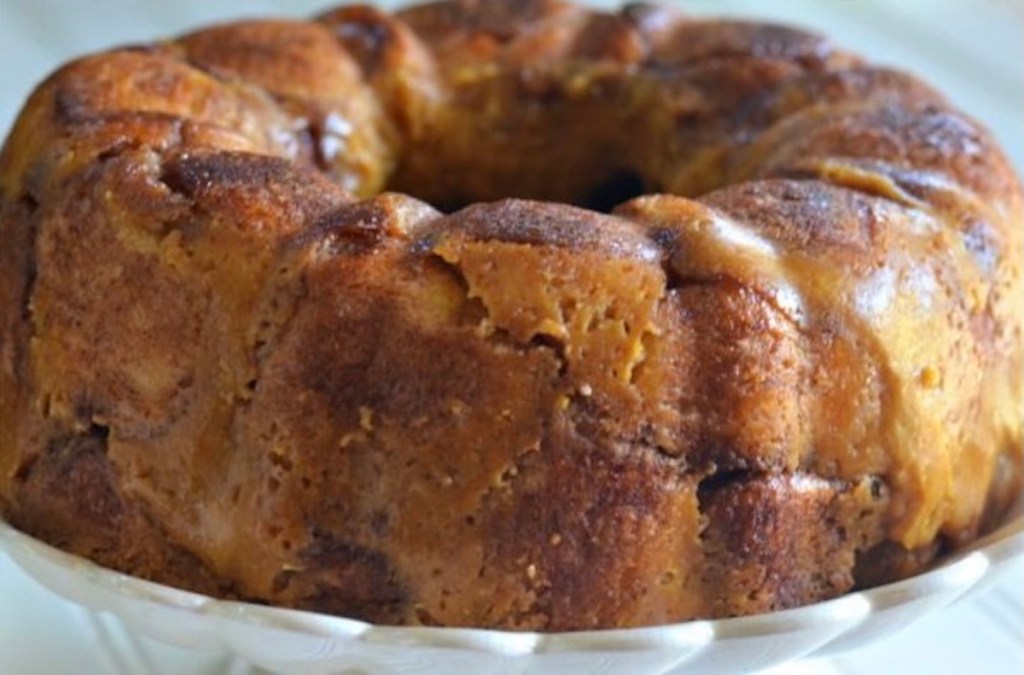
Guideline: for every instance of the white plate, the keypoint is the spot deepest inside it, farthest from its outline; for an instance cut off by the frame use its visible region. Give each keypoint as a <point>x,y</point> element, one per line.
<point>288,641</point>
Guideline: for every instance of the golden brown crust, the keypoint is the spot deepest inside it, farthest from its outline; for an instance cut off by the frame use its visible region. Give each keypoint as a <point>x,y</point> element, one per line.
<point>336,117</point>
<point>762,530</point>
<point>792,368</point>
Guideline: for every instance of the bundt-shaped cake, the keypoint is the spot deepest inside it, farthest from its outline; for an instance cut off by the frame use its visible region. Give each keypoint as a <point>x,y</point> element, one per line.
<point>714,318</point>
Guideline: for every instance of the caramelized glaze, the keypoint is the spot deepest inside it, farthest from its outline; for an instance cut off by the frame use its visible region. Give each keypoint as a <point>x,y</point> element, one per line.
<point>231,360</point>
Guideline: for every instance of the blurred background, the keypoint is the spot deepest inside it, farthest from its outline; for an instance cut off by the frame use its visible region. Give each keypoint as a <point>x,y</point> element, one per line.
<point>973,50</point>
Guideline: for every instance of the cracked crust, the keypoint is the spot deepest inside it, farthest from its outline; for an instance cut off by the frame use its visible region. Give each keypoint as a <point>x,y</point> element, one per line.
<point>786,363</point>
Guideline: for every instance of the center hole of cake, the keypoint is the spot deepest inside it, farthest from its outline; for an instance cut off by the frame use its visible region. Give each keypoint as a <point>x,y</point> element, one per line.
<point>620,187</point>
<point>602,195</point>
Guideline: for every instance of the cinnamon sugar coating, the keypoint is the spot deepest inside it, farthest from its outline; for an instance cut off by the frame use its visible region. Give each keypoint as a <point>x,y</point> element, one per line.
<point>507,314</point>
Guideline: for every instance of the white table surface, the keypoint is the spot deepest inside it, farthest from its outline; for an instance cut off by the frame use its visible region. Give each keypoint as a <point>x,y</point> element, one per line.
<point>971,49</point>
